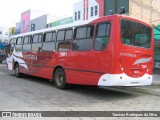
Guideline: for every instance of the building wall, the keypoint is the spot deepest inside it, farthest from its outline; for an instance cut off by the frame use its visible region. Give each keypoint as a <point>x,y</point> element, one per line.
<point>84,6</point>
<point>146,10</point>
<point>78,7</point>
<point>93,3</point>
<point>4,34</point>
<point>38,23</point>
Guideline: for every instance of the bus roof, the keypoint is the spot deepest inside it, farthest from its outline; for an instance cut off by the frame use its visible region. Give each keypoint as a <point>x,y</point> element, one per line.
<point>54,28</point>
<point>76,24</point>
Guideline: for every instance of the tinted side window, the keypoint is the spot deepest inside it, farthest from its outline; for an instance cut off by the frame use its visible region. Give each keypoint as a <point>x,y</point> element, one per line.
<point>49,42</point>
<point>27,44</point>
<point>12,41</point>
<point>83,38</point>
<point>68,35</point>
<point>65,45</point>
<point>102,36</point>
<point>19,41</point>
<point>19,44</point>
<point>60,35</point>
<point>12,45</point>
<point>48,37</point>
<point>37,43</point>
<point>81,32</point>
<point>37,38</point>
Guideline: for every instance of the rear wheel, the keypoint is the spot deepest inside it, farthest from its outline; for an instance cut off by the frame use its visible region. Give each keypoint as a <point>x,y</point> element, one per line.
<point>17,73</point>
<point>60,79</point>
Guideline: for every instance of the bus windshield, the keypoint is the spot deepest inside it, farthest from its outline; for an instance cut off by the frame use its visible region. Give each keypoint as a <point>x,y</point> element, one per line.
<point>135,34</point>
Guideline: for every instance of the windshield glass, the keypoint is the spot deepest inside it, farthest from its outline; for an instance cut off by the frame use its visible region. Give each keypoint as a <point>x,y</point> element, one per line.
<point>135,34</point>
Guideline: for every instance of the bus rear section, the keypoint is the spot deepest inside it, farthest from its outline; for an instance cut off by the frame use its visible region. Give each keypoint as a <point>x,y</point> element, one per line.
<point>133,61</point>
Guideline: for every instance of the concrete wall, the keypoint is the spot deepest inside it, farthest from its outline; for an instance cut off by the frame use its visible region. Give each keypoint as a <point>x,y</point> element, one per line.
<point>146,10</point>
<point>4,36</point>
<point>38,23</point>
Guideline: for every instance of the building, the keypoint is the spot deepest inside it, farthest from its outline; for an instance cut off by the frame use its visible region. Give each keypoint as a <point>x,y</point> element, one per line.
<point>4,34</point>
<point>37,23</point>
<point>32,20</point>
<point>62,21</point>
<point>26,18</point>
<point>146,10</point>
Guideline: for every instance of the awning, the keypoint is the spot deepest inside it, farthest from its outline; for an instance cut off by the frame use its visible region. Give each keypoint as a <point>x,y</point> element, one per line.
<point>3,45</point>
<point>157,33</point>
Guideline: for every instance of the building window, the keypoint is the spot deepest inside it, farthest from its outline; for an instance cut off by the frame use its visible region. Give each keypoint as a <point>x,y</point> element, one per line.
<point>115,5</point>
<point>96,10</point>
<point>91,11</point>
<point>75,16</point>
<point>79,15</point>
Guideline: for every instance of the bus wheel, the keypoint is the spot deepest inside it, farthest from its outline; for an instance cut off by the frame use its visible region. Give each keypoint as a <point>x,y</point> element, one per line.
<point>60,79</point>
<point>17,73</point>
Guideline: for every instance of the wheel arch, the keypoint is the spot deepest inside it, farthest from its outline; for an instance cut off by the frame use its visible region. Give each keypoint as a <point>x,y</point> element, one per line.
<point>15,65</point>
<point>54,70</point>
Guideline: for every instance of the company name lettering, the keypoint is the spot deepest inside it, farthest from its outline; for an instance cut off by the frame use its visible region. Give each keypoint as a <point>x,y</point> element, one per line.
<point>128,54</point>
<point>30,57</point>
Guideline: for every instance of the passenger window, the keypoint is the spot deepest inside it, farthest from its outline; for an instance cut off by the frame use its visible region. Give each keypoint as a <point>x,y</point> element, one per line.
<point>37,38</point>
<point>37,43</point>
<point>81,32</point>
<point>12,45</point>
<point>48,37</point>
<point>69,34</point>
<point>19,41</point>
<point>102,36</point>
<point>19,44</point>
<point>49,42</point>
<point>64,46</point>
<point>60,35</point>
<point>83,38</point>
<point>27,44</point>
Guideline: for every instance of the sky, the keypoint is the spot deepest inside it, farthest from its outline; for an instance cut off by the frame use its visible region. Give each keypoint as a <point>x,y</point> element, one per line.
<point>10,10</point>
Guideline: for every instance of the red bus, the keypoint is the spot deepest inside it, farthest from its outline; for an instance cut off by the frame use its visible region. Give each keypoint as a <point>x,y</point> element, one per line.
<point>113,50</point>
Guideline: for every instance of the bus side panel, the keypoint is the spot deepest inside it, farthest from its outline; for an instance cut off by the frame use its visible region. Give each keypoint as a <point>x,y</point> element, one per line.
<point>83,78</point>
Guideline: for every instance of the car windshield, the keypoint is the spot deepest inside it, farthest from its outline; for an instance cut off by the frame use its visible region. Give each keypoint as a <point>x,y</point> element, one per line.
<point>135,34</point>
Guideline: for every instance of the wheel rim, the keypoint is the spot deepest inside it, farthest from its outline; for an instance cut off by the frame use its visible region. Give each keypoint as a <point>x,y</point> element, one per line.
<point>59,79</point>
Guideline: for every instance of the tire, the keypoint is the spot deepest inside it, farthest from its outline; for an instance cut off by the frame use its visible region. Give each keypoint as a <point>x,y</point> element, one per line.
<point>17,73</point>
<point>60,79</point>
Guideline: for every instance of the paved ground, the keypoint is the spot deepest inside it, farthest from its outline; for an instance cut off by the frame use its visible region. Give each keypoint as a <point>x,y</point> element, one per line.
<point>36,94</point>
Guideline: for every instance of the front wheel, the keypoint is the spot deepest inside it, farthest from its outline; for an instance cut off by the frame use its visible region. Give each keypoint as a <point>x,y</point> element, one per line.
<point>60,79</point>
<point>17,72</point>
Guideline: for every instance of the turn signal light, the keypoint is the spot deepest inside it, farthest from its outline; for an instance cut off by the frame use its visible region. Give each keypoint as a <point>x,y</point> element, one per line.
<point>121,65</point>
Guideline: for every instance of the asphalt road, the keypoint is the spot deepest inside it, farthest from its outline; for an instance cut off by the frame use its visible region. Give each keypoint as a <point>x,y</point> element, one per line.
<point>36,94</point>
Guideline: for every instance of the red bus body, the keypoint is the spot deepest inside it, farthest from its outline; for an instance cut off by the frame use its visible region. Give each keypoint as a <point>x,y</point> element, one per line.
<point>116,65</point>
